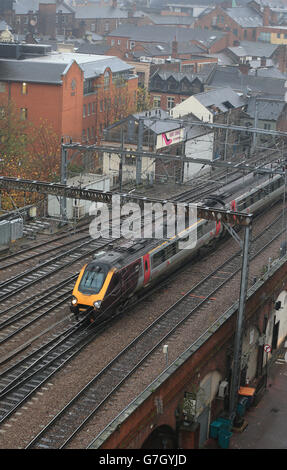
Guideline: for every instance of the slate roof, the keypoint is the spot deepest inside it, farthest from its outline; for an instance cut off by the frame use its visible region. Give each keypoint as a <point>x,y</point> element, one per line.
<point>245,16</point>
<point>158,126</point>
<point>170,19</point>
<point>254,49</point>
<point>270,72</point>
<point>95,11</point>
<point>163,34</point>
<point>4,26</point>
<point>22,7</point>
<point>153,120</point>
<point>163,49</point>
<point>268,110</point>
<point>25,71</point>
<point>87,48</point>
<point>49,68</point>
<point>231,76</point>
<point>185,2</point>
<point>178,76</point>
<point>218,97</point>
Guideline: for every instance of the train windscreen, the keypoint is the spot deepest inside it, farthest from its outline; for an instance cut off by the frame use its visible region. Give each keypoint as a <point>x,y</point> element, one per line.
<point>93,279</point>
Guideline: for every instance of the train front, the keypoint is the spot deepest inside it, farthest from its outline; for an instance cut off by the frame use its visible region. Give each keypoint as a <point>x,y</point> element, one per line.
<point>90,289</point>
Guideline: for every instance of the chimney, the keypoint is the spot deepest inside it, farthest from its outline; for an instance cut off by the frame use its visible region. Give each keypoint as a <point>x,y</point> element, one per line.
<point>174,48</point>
<point>282,58</point>
<point>244,68</point>
<point>47,19</point>
<point>263,62</point>
<point>266,16</point>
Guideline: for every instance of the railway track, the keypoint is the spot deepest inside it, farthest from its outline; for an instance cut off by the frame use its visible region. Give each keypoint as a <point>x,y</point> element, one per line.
<point>208,185</point>
<point>38,249</point>
<point>60,431</point>
<point>42,271</point>
<point>20,381</point>
<point>13,321</point>
<point>33,253</point>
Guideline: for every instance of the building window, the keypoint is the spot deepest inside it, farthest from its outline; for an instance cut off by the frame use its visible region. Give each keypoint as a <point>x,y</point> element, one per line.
<point>278,35</point>
<point>83,135</point>
<point>235,32</point>
<point>24,89</point>
<point>264,37</point>
<point>156,101</point>
<point>88,133</point>
<point>101,105</point>
<point>89,86</point>
<point>267,126</point>
<point>107,26</point>
<point>93,107</point>
<point>119,42</point>
<point>106,79</point>
<point>170,102</point>
<point>112,42</point>
<point>2,87</point>
<point>84,110</point>
<point>89,109</point>
<point>23,114</point>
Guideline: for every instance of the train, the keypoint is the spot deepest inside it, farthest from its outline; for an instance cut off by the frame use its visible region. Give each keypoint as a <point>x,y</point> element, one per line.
<point>114,278</point>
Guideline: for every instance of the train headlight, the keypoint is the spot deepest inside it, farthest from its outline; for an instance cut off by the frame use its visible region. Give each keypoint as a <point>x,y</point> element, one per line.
<point>74,300</point>
<point>97,304</point>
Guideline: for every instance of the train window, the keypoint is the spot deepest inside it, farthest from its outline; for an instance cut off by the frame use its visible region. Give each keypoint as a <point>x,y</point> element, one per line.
<point>92,279</point>
<point>158,258</point>
<point>146,265</point>
<point>199,231</point>
<point>170,251</point>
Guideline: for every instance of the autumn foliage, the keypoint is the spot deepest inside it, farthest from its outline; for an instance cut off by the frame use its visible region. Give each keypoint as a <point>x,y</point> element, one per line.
<point>26,151</point>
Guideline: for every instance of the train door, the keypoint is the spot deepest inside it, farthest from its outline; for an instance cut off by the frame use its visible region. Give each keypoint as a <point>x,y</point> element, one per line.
<point>146,267</point>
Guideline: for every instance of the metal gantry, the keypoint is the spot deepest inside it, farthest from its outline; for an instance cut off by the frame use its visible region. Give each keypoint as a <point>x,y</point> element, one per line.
<point>96,195</point>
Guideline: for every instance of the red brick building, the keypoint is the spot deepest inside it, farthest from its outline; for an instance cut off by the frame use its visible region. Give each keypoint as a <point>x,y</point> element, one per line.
<point>241,21</point>
<point>78,94</point>
<point>129,39</point>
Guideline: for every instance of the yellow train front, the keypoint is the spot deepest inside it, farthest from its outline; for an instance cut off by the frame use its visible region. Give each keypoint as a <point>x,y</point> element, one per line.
<point>98,291</point>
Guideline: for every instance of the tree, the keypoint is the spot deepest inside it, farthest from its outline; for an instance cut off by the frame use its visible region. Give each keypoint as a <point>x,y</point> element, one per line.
<point>44,157</point>
<point>14,138</point>
<point>143,100</point>
<point>26,151</point>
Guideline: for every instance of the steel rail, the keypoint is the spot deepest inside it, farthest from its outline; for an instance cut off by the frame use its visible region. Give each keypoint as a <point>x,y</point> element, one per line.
<point>151,328</point>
